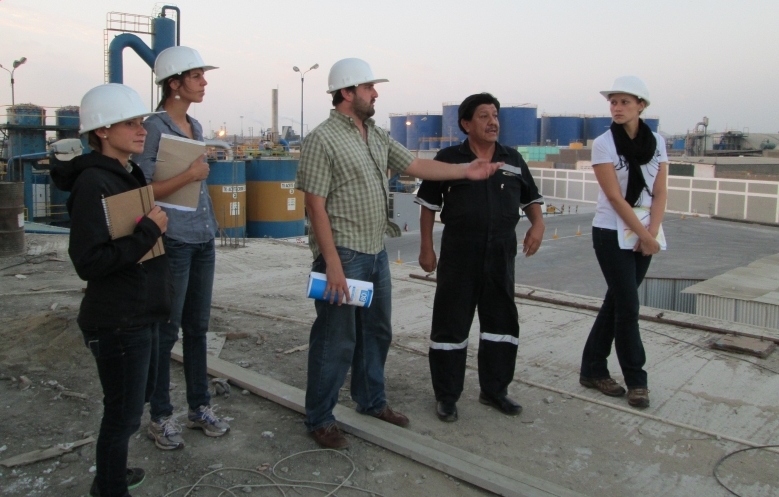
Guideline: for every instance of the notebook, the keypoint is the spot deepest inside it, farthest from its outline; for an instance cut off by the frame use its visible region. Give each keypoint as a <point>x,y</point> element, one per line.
<point>627,237</point>
<point>121,211</point>
<point>174,156</point>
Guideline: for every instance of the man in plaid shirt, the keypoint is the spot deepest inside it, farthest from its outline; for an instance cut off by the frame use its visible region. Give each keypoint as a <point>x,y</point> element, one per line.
<point>342,170</point>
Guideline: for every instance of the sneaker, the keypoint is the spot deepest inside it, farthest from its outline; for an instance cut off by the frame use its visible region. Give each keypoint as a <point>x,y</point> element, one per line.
<point>166,433</point>
<point>607,386</point>
<point>204,419</point>
<point>390,416</point>
<point>638,397</point>
<point>135,477</point>
<point>330,437</point>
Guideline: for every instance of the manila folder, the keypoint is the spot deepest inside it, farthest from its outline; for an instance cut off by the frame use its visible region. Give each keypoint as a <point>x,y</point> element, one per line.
<point>174,156</point>
<point>123,209</point>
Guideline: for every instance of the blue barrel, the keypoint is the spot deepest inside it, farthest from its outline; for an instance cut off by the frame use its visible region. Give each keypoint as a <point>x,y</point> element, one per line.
<point>421,126</point>
<point>653,123</point>
<point>450,131</point>
<point>274,208</point>
<point>518,125</point>
<point>594,126</point>
<point>398,128</point>
<point>561,130</point>
<point>227,188</point>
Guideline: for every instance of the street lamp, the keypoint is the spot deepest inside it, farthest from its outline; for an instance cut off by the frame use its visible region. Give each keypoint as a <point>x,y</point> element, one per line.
<point>16,64</point>
<point>295,68</point>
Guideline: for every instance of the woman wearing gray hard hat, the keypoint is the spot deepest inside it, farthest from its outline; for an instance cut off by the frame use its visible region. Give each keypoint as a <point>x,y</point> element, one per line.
<point>631,166</point>
<point>125,298</point>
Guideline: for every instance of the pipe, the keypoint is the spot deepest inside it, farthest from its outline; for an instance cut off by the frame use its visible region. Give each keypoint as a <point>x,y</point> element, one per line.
<point>178,20</point>
<point>284,142</point>
<point>119,43</point>
<point>29,157</point>
<point>645,317</point>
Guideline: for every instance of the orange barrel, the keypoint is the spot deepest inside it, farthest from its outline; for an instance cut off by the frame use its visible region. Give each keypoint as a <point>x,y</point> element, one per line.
<point>275,208</point>
<point>11,218</point>
<point>227,187</point>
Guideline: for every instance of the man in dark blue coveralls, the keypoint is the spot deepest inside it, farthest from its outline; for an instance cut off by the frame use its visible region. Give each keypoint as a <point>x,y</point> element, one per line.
<point>478,248</point>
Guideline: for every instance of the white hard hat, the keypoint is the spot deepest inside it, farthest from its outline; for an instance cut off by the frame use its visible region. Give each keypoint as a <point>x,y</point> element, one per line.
<point>109,104</point>
<point>630,85</point>
<point>176,60</point>
<point>350,72</point>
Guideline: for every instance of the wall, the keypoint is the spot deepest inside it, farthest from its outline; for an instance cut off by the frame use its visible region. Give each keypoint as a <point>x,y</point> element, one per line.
<point>742,200</point>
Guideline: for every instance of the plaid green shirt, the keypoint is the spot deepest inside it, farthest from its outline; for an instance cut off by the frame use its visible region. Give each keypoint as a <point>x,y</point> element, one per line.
<point>336,163</point>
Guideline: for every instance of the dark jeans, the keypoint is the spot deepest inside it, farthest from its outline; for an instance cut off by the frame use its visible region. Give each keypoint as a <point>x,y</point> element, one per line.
<point>617,320</point>
<point>344,336</point>
<point>192,273</point>
<point>123,358</point>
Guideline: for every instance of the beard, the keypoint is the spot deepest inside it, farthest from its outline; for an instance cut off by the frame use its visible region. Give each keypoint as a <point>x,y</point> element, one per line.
<point>362,109</point>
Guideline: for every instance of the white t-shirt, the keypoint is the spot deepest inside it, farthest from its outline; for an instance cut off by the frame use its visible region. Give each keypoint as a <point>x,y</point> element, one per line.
<point>604,152</point>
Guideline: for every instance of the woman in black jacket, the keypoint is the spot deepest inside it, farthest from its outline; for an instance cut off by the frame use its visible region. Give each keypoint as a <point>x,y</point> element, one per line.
<point>124,297</point>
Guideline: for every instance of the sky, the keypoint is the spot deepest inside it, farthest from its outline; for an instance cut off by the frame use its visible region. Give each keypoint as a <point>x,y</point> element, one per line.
<point>699,58</point>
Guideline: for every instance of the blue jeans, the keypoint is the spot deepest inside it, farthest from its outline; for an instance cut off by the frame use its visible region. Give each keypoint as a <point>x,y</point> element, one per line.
<point>617,320</point>
<point>348,336</point>
<point>192,274</point>
<point>123,357</point>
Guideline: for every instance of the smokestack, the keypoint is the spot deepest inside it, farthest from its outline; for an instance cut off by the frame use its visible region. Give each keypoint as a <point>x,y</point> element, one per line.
<point>274,115</point>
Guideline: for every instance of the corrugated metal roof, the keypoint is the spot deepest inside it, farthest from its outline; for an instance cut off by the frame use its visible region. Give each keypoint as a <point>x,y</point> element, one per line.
<point>759,282</point>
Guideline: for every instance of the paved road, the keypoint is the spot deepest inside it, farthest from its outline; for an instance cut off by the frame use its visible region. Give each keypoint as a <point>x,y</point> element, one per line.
<point>698,248</point>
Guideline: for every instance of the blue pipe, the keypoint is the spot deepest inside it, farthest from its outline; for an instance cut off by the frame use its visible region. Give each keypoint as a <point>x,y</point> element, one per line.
<point>126,40</point>
<point>284,142</point>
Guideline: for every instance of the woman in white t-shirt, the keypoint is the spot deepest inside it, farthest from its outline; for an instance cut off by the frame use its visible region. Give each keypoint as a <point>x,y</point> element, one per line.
<point>631,166</point>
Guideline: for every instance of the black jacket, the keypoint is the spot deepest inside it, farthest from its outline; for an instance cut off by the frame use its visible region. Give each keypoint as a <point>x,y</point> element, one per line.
<point>481,207</point>
<point>121,293</point>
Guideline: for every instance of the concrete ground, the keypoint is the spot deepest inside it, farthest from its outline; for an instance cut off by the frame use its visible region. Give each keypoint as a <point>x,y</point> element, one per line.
<point>705,403</point>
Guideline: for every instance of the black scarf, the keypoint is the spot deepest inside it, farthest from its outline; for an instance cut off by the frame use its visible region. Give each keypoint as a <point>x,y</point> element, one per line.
<point>636,153</point>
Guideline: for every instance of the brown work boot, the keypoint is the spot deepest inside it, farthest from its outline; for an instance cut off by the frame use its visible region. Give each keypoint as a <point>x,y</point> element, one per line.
<point>391,416</point>
<point>638,397</point>
<point>607,386</point>
<point>330,437</point>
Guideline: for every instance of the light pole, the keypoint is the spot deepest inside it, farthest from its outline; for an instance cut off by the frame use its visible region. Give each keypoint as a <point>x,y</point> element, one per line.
<point>295,68</point>
<point>16,64</point>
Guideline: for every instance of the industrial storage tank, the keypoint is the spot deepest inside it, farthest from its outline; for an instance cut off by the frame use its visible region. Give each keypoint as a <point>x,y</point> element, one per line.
<point>26,135</point>
<point>421,125</point>
<point>398,128</point>
<point>538,129</point>
<point>653,122</point>
<point>274,208</point>
<point>518,125</point>
<point>561,129</point>
<point>227,187</point>
<point>11,218</point>
<point>450,131</point>
<point>594,126</point>
<point>67,117</point>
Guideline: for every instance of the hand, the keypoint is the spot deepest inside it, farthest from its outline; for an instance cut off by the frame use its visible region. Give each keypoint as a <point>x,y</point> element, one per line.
<point>427,260</point>
<point>533,239</point>
<point>336,291</point>
<point>648,247</point>
<point>481,169</point>
<point>159,217</point>
<point>199,169</point>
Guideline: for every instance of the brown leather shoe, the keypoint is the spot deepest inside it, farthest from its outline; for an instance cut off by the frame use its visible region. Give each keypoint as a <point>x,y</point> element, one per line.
<point>638,397</point>
<point>391,416</point>
<point>607,386</point>
<point>330,437</point>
